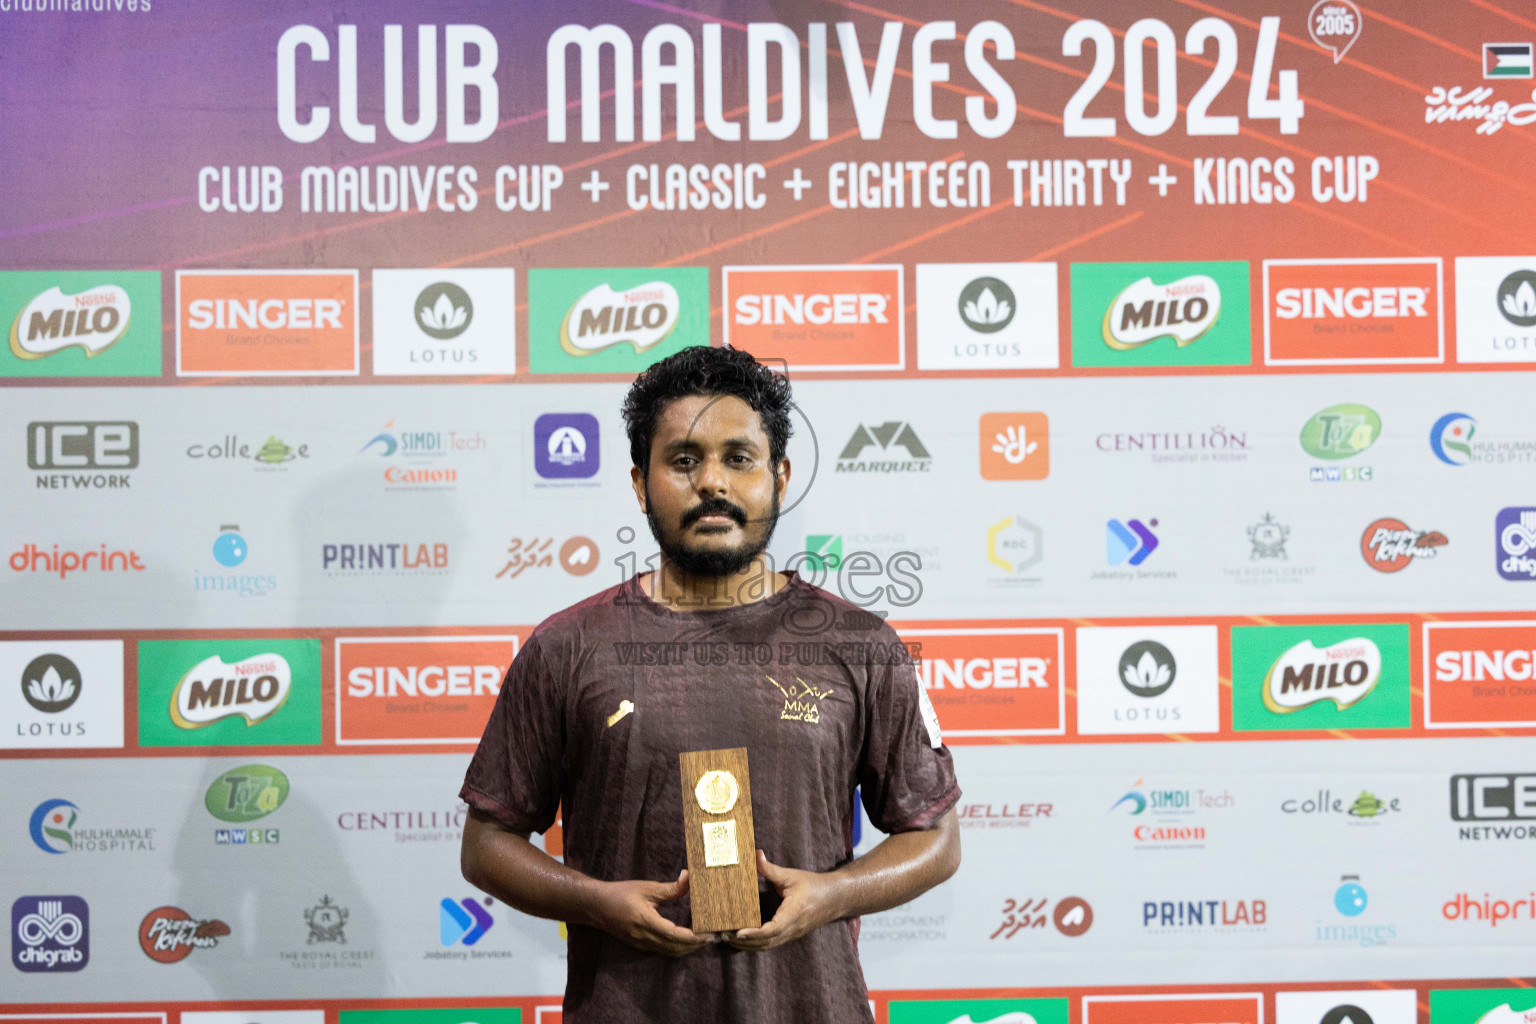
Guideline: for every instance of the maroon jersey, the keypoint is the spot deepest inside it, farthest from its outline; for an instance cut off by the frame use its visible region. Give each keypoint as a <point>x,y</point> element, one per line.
<point>604,696</point>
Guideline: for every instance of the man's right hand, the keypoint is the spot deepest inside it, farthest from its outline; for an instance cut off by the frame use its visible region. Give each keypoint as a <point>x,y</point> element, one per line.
<point>627,911</point>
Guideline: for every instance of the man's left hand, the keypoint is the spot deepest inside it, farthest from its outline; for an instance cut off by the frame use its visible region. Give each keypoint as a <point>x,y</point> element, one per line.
<point>809,901</point>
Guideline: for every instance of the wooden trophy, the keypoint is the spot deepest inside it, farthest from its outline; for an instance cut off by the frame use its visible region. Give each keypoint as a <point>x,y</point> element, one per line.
<point>722,849</point>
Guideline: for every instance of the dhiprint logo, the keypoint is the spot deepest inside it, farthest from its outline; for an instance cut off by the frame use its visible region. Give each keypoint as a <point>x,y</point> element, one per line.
<point>1370,1006</point>
<point>1451,438</point>
<point>56,694</point>
<point>444,322</point>
<point>1353,676</point>
<point>1015,446</point>
<point>818,317</point>
<point>1347,312</point>
<point>1515,551</point>
<point>1389,545</point>
<point>1130,542</point>
<point>68,453</point>
<point>566,446</point>
<point>886,437</point>
<point>1496,309</point>
<point>1147,668</point>
<point>50,934</point>
<point>1479,674</point>
<point>978,316</point>
<point>80,323</point>
<point>1147,679</point>
<point>464,922</point>
<point>1508,60</point>
<point>614,320</point>
<point>169,934</point>
<point>266,323</point>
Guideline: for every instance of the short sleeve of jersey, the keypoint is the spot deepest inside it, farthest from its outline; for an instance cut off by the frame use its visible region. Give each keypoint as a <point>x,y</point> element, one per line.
<point>516,774</point>
<point>906,774</point>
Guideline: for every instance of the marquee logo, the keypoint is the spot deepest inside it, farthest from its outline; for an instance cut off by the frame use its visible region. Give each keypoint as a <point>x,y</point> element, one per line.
<point>885,438</point>
<point>94,320</point>
<point>50,934</point>
<point>252,688</point>
<point>1349,312</point>
<point>1180,310</point>
<point>640,317</point>
<point>614,320</point>
<point>246,794</point>
<point>1479,674</point>
<point>169,934</point>
<point>992,683</point>
<point>1343,672</point>
<point>818,317</point>
<point>1389,545</point>
<point>268,323</point>
<point>418,689</point>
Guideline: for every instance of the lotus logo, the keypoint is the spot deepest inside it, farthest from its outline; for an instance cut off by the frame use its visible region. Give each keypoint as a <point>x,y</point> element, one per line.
<point>1517,298</point>
<point>94,320</point>
<point>1182,310</point>
<point>641,317</point>
<point>1147,668</point>
<point>213,689</point>
<point>1451,438</point>
<point>1343,672</point>
<point>987,305</point>
<point>444,310</point>
<point>50,683</point>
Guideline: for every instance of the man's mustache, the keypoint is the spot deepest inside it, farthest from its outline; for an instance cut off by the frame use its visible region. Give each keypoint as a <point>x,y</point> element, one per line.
<point>714,507</point>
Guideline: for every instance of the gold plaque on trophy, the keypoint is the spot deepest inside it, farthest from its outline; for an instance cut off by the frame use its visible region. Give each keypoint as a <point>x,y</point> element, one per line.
<point>722,849</point>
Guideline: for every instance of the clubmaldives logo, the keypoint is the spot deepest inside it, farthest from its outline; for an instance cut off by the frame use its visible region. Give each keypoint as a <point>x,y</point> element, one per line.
<point>418,689</point>
<point>1490,910</point>
<point>266,323</point>
<point>35,559</point>
<point>50,934</point>
<point>1389,545</point>
<point>1479,674</point>
<point>169,934</point>
<point>992,683</point>
<point>818,317</point>
<point>1352,312</point>
<point>1515,543</point>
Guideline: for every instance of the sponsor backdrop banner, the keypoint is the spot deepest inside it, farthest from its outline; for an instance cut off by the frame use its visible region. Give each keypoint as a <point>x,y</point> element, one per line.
<point>1159,376</point>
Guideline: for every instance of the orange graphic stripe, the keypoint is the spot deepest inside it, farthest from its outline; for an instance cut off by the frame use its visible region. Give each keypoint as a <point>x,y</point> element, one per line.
<point>1044,254</point>
<point>1421,34</point>
<point>935,232</point>
<point>1501,12</point>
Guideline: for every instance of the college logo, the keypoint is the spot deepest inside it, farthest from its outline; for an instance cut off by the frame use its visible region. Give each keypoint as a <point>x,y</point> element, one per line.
<point>992,683</point>
<point>1507,60</point>
<point>1353,312</point>
<point>1479,674</point>
<point>1515,543</point>
<point>885,438</point>
<point>69,452</point>
<point>80,323</point>
<point>1015,446</point>
<point>52,827</point>
<point>266,323</point>
<point>273,455</point>
<point>1187,1007</point>
<point>1365,808</point>
<point>50,934</point>
<point>170,934</point>
<point>566,446</point>
<point>614,320</point>
<point>1320,677</point>
<point>977,1011</point>
<point>818,317</point>
<point>422,689</point>
<point>1496,309</point>
<point>1388,545</point>
<point>1498,806</point>
<point>1147,679</point>
<point>1482,1006</point>
<point>61,694</point>
<point>1160,314</point>
<point>464,922</point>
<point>987,316</point>
<point>229,692</point>
<point>1367,1006</point>
<point>1130,542</point>
<point>443,322</point>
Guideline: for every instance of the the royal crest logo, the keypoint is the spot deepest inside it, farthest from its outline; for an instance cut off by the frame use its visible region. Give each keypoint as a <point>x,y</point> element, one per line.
<point>1182,310</point>
<point>641,316</point>
<point>801,700</point>
<point>170,934</point>
<point>1343,672</point>
<point>94,320</point>
<point>1388,545</point>
<point>327,922</point>
<point>213,689</point>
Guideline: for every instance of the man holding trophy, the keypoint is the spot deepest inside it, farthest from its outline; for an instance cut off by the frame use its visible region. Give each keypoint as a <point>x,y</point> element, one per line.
<point>684,779</point>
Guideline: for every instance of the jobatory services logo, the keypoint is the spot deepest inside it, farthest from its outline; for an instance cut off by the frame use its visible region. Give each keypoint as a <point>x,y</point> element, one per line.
<point>818,317</point>
<point>266,323</point>
<point>987,316</point>
<point>463,922</point>
<point>444,322</point>
<point>1482,1006</point>
<point>1363,1006</point>
<point>1494,805</point>
<point>50,934</point>
<point>614,320</point>
<point>1337,433</point>
<point>1345,676</point>
<point>215,693</point>
<point>992,683</point>
<point>1353,312</point>
<point>61,694</point>
<point>1508,60</point>
<point>567,446</point>
<point>889,447</point>
<point>1514,554</point>
<point>243,795</point>
<point>1479,674</point>
<point>977,1011</point>
<point>1147,679</point>
<point>1130,542</point>
<point>55,828</point>
<point>1496,309</point>
<point>422,459</point>
<point>1160,314</point>
<point>1390,545</point>
<point>1187,1007</point>
<point>83,455</point>
<point>418,689</point>
<point>169,934</point>
<point>1015,446</point>
<point>80,323</point>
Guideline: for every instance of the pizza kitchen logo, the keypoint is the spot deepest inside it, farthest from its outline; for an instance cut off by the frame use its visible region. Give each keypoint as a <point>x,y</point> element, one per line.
<point>169,934</point>
<point>1389,545</point>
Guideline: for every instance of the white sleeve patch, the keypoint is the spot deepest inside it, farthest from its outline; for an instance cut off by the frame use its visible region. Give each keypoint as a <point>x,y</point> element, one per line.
<point>930,716</point>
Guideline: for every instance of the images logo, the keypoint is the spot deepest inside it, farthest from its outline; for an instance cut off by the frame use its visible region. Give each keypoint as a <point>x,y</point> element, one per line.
<point>81,323</point>
<point>1160,314</point>
<point>614,320</point>
<point>1015,446</point>
<point>1147,679</point>
<point>421,689</point>
<point>990,683</point>
<point>441,322</point>
<point>977,1011</point>
<point>83,446</point>
<point>884,436</point>
<point>1350,899</point>
<point>1495,309</point>
<point>230,551</point>
<point>566,446</point>
<point>50,934</point>
<point>1388,545</point>
<point>247,793</point>
<point>1340,431</point>
<point>1130,542</point>
<point>169,934</point>
<point>1515,550</point>
<point>267,323</point>
<point>1507,60</point>
<point>1320,677</point>
<point>1478,674</point>
<point>53,822</point>
<point>818,317</point>
<point>1347,312</point>
<point>463,922</point>
<point>229,692</point>
<point>987,316</point>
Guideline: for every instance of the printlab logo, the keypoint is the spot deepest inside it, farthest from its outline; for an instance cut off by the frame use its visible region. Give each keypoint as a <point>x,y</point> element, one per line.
<point>986,316</point>
<point>566,446</point>
<point>80,324</point>
<point>1340,432</point>
<point>83,456</point>
<point>885,438</point>
<point>1015,446</point>
<point>327,922</point>
<point>1515,550</point>
<point>51,683</point>
<point>50,934</point>
<point>1130,542</point>
<point>464,922</point>
<point>1160,314</point>
<point>1071,915</point>
<point>1508,60</point>
<point>53,828</point>
<point>578,556</point>
<point>1389,545</point>
<point>170,934</point>
<point>444,322</point>
<point>1204,915</point>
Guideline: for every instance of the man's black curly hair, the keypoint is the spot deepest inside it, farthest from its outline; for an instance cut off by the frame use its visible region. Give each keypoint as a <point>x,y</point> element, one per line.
<point>702,370</point>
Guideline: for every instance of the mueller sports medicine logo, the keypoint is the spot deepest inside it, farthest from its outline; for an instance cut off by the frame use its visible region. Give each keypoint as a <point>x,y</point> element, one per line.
<point>170,934</point>
<point>1479,674</point>
<point>83,455</point>
<point>992,683</point>
<point>421,689</point>
<point>94,320</point>
<point>1389,545</point>
<point>1353,312</point>
<point>1496,806</point>
<point>1342,672</point>
<point>641,317</point>
<point>1183,310</point>
<point>251,688</point>
<point>50,934</point>
<point>269,323</point>
<point>818,317</point>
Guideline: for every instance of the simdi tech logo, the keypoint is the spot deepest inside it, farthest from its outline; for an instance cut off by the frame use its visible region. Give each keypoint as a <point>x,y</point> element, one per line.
<point>818,317</point>
<point>1160,314</point>
<point>987,316</point>
<point>987,683</point>
<point>61,694</point>
<point>444,322</point>
<point>1496,309</point>
<point>978,1011</point>
<point>80,323</point>
<point>614,320</point>
<point>50,934</point>
<point>1479,674</point>
<point>216,693</point>
<point>418,689</point>
<point>1337,676</point>
<point>266,323</point>
<point>1353,312</point>
<point>1482,1006</point>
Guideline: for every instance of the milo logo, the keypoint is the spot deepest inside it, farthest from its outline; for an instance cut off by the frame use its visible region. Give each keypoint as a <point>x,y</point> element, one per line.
<point>1182,310</point>
<point>93,319</point>
<point>246,793</point>
<point>1304,675</point>
<point>213,689</point>
<point>642,316</point>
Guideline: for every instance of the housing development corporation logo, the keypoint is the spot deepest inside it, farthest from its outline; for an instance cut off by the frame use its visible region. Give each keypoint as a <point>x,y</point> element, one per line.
<point>1390,545</point>
<point>418,689</point>
<point>266,323</point>
<point>614,320</point>
<point>1352,312</point>
<point>229,692</point>
<point>80,323</point>
<point>50,934</point>
<point>1479,674</point>
<point>1320,677</point>
<point>1496,309</point>
<point>987,316</point>
<point>442,322</point>
<point>1160,314</point>
<point>83,455</point>
<point>818,317</point>
<point>169,934</point>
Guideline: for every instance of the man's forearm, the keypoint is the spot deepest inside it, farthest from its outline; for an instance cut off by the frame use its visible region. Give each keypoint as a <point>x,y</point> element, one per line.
<point>900,869</point>
<point>509,867</point>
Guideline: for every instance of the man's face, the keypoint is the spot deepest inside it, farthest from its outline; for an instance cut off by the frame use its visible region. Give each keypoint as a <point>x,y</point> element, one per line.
<point>712,495</point>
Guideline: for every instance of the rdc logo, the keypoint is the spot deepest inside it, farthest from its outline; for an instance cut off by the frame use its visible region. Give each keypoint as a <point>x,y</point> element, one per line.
<point>50,934</point>
<point>1514,532</point>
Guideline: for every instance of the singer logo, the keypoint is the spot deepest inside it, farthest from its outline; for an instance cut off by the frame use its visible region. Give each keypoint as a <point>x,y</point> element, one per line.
<point>992,683</point>
<point>1353,312</point>
<point>1479,674</point>
<point>271,323</point>
<point>818,317</point>
<point>418,689</point>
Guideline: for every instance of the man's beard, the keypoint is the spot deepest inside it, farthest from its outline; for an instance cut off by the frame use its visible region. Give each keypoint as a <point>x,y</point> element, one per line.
<point>712,563</point>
